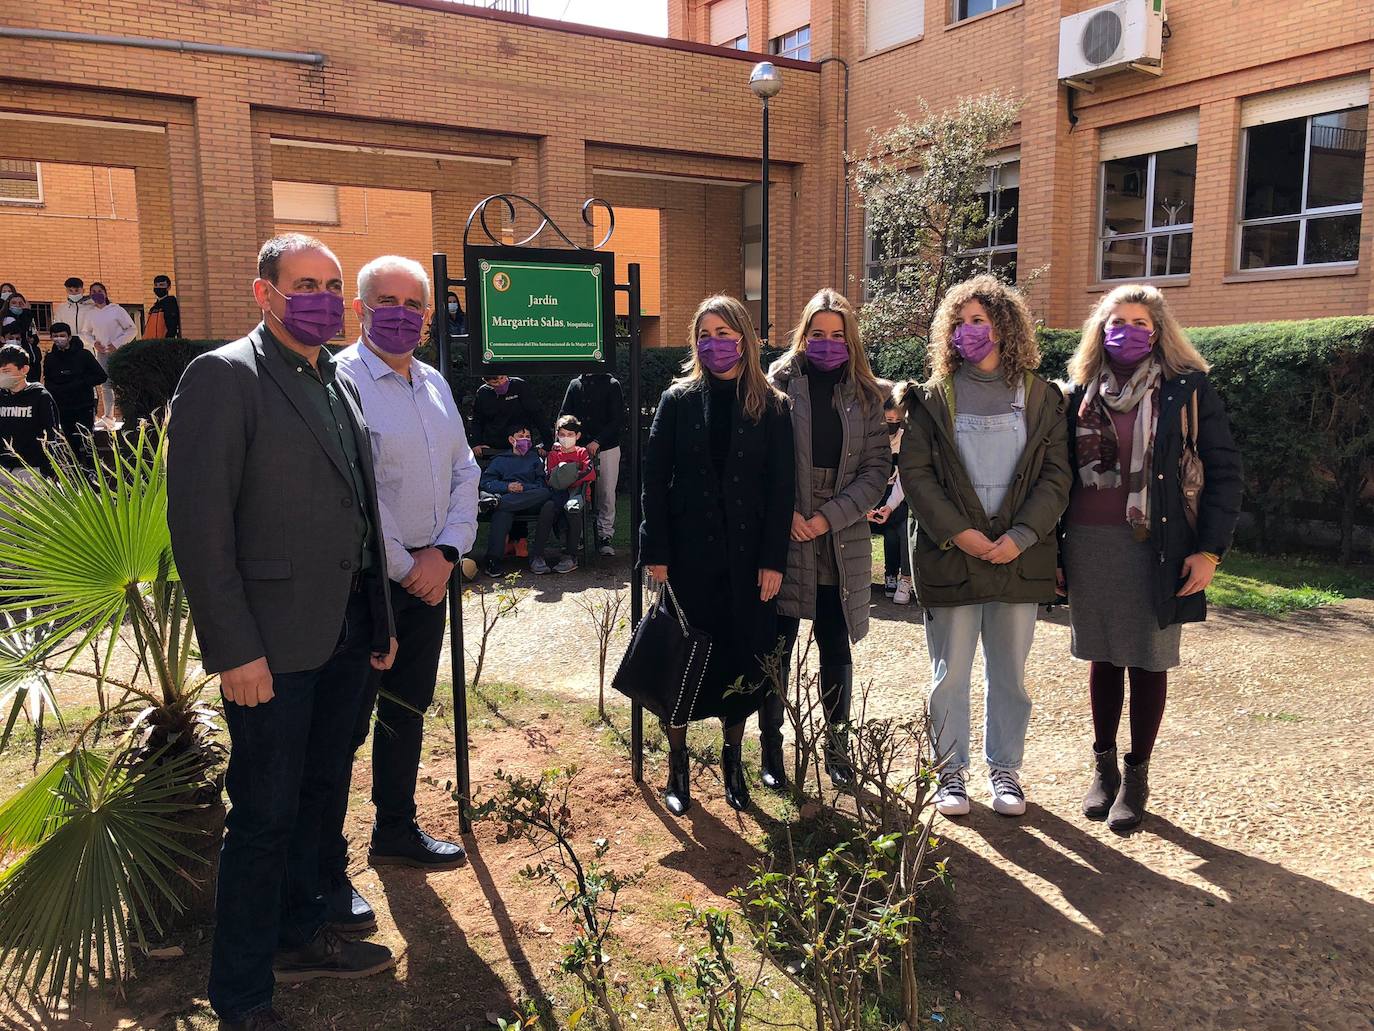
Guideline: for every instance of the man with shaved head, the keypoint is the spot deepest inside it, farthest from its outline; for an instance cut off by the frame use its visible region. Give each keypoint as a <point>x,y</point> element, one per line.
<point>276,532</point>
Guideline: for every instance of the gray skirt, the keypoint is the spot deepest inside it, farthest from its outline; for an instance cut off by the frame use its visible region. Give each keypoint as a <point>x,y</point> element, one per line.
<point>1111,609</point>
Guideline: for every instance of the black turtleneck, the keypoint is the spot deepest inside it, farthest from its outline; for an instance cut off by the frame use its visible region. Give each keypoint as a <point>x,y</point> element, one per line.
<point>720,415</point>
<point>827,432</point>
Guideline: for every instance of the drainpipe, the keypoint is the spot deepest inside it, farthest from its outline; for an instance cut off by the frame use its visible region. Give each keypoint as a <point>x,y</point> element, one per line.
<point>149,43</point>
<point>844,169</point>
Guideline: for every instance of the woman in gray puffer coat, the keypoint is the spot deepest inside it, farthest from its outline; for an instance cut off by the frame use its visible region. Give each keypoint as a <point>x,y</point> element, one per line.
<point>843,461</point>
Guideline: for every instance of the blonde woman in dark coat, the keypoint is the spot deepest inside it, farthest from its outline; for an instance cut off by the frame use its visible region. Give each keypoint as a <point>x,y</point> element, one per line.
<point>842,465</point>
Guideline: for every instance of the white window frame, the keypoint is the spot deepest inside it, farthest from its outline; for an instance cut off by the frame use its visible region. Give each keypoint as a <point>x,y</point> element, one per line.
<point>1151,232</point>
<point>986,253</point>
<point>1304,214</point>
<point>997,5</point>
<point>738,43</point>
<point>28,201</point>
<point>778,45</point>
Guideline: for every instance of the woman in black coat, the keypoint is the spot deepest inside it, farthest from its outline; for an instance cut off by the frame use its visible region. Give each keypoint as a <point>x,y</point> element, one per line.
<point>1134,566</point>
<point>717,500</point>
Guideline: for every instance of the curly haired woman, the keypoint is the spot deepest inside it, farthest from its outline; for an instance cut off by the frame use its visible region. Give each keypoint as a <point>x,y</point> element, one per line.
<point>985,466</point>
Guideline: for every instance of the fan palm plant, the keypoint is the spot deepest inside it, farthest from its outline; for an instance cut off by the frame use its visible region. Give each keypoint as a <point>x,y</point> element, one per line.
<point>102,848</point>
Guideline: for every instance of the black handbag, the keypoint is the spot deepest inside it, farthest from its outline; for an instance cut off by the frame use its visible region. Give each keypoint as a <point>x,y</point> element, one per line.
<point>665,664</point>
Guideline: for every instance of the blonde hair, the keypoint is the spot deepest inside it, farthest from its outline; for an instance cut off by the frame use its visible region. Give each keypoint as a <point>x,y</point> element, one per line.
<point>859,372</point>
<point>1010,318</point>
<point>1176,352</point>
<point>752,386</point>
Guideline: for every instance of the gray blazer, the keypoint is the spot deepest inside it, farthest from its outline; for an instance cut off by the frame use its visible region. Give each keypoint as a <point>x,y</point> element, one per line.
<point>260,510</point>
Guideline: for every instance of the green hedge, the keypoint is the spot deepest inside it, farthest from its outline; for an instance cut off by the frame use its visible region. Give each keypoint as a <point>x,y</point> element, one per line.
<point>1300,396</point>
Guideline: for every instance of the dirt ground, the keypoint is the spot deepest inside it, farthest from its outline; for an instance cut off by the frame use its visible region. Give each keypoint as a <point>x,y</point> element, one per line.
<point>1246,901</point>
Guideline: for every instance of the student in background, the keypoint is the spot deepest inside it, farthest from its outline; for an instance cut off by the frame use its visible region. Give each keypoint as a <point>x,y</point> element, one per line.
<point>75,310</point>
<point>28,419</point>
<point>71,374</point>
<point>110,328</point>
<point>598,402</point>
<point>16,307</point>
<point>569,494</point>
<point>501,401</point>
<point>164,317</point>
<point>889,519</point>
<point>517,478</point>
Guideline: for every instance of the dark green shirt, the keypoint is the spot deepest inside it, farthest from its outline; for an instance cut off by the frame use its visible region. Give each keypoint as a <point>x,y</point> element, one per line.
<point>331,411</point>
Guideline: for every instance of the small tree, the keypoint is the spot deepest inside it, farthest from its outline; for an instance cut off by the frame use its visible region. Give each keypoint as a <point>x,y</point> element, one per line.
<point>920,182</point>
<point>494,604</point>
<point>604,613</point>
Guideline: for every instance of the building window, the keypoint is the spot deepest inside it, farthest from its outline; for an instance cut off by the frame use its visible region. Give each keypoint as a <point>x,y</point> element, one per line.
<point>890,22</point>
<point>972,8</point>
<point>21,182</point>
<point>738,43</point>
<point>1147,214</point>
<point>751,242</point>
<point>795,44</point>
<point>1002,193</point>
<point>313,203</point>
<point>1304,186</point>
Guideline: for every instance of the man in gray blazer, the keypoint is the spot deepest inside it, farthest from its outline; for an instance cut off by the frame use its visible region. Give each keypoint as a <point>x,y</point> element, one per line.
<point>273,511</point>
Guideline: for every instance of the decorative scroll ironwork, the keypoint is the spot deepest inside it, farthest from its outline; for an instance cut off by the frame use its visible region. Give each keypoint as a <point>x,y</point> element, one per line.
<point>507,201</point>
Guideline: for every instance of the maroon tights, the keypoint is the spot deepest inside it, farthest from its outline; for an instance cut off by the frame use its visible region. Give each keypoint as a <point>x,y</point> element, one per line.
<point>1107,688</point>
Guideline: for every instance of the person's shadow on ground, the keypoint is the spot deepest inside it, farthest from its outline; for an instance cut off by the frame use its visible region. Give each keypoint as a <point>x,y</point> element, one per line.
<point>1131,948</point>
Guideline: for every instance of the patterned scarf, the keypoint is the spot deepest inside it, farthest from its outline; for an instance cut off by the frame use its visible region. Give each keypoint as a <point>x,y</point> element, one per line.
<point>1099,463</point>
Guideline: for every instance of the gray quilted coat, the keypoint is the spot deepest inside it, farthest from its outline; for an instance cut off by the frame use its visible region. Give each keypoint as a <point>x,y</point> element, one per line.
<point>865,464</point>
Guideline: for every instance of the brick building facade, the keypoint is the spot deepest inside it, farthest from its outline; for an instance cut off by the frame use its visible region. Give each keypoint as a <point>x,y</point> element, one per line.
<point>418,108</point>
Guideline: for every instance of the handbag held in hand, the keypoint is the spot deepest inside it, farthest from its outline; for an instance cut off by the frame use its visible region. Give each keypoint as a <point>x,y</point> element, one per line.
<point>665,664</point>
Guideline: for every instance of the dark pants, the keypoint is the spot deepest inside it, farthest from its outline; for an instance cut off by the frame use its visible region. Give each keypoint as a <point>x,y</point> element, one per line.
<point>77,426</point>
<point>570,509</point>
<point>832,642</point>
<point>503,517</point>
<point>896,544</point>
<point>286,760</point>
<point>409,691</point>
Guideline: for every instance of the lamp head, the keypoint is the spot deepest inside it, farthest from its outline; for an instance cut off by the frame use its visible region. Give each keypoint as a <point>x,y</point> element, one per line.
<point>765,80</point>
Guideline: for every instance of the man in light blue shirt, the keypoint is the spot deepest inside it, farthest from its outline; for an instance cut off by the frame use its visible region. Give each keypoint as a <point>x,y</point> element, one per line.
<point>427,497</point>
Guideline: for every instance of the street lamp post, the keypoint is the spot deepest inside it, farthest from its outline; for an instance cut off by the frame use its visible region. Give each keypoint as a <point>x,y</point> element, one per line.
<point>766,82</point>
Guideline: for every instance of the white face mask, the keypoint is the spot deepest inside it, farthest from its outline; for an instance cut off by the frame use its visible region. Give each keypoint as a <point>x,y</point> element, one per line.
<point>11,381</point>
<point>453,309</point>
<point>567,443</point>
<point>74,298</point>
<point>5,295</point>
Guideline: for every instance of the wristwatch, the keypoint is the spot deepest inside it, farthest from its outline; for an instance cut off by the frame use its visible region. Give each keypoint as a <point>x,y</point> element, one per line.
<point>450,553</point>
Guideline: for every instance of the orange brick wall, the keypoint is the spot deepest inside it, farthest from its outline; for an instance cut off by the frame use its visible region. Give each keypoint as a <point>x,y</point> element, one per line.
<point>87,226</point>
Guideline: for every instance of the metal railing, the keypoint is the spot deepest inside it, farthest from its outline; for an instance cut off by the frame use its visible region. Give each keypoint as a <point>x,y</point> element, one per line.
<point>508,6</point>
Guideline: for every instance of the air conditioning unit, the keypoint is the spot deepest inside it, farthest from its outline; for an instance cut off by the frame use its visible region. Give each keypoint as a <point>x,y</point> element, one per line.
<point>1111,38</point>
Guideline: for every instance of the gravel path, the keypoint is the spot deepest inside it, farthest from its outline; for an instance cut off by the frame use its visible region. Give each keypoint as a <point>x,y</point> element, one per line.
<point>1245,901</point>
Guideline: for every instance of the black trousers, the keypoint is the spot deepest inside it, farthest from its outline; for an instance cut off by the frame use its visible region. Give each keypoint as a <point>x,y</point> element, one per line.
<point>896,546</point>
<point>77,426</point>
<point>400,696</point>
<point>832,643</point>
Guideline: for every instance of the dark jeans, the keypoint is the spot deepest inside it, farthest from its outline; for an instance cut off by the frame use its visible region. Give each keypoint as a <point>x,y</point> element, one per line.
<point>286,760</point>
<point>832,642</point>
<point>399,730</point>
<point>77,426</point>
<point>503,518</point>
<point>896,544</point>
<point>569,507</point>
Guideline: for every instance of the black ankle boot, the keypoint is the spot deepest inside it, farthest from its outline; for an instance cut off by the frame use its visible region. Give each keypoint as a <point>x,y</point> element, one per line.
<point>732,771</point>
<point>677,796</point>
<point>772,763</point>
<point>1106,782</point>
<point>837,688</point>
<point>1129,808</point>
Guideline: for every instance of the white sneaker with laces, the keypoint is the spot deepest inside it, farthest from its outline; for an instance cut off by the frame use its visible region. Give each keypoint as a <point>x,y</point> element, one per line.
<point>951,798</point>
<point>1008,797</point>
<point>903,593</point>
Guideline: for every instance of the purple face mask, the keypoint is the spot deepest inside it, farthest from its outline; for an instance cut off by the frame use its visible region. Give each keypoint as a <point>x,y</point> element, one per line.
<point>315,318</point>
<point>718,354</point>
<point>1127,344</point>
<point>522,445</point>
<point>973,341</point>
<point>98,297</point>
<point>826,353</point>
<point>500,388</point>
<point>395,328</point>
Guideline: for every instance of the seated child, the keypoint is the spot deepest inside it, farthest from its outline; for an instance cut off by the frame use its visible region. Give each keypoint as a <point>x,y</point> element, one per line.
<point>516,478</point>
<point>568,499</point>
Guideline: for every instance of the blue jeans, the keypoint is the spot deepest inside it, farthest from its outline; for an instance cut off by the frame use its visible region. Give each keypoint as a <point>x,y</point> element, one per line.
<point>951,636</point>
<point>286,759</point>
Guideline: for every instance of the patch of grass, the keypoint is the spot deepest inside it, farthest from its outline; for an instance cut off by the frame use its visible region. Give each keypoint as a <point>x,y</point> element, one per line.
<point>1279,584</point>
<point>1278,717</point>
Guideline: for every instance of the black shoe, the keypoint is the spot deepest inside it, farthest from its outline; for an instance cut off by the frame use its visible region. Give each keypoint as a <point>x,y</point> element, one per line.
<point>492,567</point>
<point>772,764</point>
<point>415,849</point>
<point>1129,808</point>
<point>262,1020</point>
<point>347,912</point>
<point>837,688</point>
<point>732,770</point>
<point>331,956</point>
<point>677,796</point>
<point>1106,782</point>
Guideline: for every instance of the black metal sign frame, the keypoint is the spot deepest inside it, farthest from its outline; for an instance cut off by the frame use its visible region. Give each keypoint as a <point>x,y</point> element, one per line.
<point>442,284</point>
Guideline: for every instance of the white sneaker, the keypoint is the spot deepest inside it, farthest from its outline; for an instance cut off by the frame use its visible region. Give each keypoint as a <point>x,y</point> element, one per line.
<point>1008,797</point>
<point>902,596</point>
<point>889,585</point>
<point>604,548</point>
<point>951,798</point>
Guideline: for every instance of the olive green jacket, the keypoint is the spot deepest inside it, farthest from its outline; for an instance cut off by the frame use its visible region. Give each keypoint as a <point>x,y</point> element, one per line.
<point>943,502</point>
